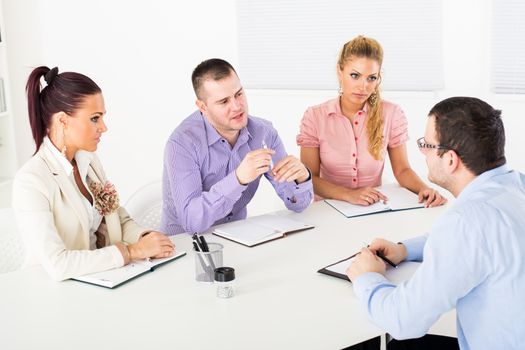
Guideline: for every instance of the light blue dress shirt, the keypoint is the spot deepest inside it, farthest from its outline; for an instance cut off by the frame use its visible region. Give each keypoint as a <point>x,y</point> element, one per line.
<point>473,260</point>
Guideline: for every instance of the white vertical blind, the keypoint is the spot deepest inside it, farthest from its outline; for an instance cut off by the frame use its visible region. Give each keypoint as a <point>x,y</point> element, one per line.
<point>508,47</point>
<point>294,44</point>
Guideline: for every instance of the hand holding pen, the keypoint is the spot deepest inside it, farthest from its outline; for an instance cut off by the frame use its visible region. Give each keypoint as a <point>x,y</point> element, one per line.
<point>365,261</point>
<point>380,255</point>
<point>385,259</point>
<point>395,252</point>
<point>265,146</point>
<point>374,257</point>
<point>288,169</point>
<point>254,164</point>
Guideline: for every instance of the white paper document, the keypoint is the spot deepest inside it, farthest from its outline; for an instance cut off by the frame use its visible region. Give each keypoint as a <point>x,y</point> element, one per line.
<point>259,229</point>
<point>399,198</point>
<point>114,277</point>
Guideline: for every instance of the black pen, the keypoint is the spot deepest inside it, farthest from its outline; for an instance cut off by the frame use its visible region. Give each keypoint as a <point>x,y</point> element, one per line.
<point>205,247</point>
<point>385,259</point>
<point>204,244</point>
<point>195,247</point>
<point>203,264</point>
<point>197,241</point>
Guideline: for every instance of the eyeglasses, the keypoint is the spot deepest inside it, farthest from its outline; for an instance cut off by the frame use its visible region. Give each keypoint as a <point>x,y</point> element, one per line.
<point>423,146</point>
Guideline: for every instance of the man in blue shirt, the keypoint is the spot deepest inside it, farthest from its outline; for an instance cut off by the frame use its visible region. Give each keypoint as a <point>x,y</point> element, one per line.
<point>473,259</point>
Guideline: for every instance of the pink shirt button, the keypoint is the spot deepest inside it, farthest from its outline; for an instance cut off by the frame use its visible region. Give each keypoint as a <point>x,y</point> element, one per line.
<point>354,180</point>
<point>356,122</point>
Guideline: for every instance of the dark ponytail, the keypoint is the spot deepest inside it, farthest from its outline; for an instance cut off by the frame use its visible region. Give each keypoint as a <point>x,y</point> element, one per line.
<point>64,93</point>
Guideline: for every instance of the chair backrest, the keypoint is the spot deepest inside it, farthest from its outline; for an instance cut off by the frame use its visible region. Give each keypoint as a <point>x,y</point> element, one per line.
<point>11,245</point>
<point>145,205</point>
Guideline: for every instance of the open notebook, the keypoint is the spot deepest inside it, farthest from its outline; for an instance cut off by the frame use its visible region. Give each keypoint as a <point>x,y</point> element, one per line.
<point>401,273</point>
<point>399,198</point>
<point>115,277</point>
<point>259,229</point>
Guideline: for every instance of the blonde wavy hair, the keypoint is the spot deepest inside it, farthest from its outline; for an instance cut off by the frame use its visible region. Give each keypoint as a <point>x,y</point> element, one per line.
<point>362,46</point>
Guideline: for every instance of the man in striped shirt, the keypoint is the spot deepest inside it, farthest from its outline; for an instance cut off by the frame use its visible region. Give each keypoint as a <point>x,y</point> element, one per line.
<point>214,159</point>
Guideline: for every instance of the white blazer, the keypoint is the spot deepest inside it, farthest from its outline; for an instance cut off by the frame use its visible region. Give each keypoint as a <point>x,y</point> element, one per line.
<point>53,221</point>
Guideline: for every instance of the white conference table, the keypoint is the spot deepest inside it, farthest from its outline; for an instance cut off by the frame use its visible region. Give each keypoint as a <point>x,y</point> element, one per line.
<point>281,302</point>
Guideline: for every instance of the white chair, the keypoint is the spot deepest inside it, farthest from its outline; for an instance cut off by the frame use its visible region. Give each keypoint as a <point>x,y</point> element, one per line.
<point>11,246</point>
<point>145,205</point>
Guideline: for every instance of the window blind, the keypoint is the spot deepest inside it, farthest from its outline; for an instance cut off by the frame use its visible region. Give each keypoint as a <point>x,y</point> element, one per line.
<point>508,47</point>
<point>291,44</point>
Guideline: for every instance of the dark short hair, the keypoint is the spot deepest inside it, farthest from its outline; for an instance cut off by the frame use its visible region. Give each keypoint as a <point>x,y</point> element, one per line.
<point>64,92</point>
<point>473,129</point>
<point>214,69</point>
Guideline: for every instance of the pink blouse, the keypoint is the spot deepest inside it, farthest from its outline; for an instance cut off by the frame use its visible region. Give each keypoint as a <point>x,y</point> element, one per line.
<point>343,145</point>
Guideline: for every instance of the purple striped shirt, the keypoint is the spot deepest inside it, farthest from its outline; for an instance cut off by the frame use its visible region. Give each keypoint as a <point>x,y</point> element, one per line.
<point>200,188</point>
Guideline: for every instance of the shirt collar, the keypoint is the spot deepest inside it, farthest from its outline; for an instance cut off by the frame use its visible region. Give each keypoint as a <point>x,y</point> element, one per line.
<point>481,179</point>
<point>83,159</point>
<point>213,136</point>
<point>64,163</point>
<point>334,107</point>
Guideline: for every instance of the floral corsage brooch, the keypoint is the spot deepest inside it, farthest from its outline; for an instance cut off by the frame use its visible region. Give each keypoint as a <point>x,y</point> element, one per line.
<point>106,197</point>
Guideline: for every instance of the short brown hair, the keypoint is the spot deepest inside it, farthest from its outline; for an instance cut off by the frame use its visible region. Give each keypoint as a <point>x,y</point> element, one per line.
<point>473,129</point>
<point>214,69</point>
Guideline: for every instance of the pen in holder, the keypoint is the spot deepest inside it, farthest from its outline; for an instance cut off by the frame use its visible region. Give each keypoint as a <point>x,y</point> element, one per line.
<point>206,262</point>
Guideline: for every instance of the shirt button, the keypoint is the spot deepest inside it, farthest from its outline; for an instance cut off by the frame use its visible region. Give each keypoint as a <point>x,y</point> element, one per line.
<point>354,180</point>
<point>359,113</point>
<point>223,140</point>
<point>356,122</point>
<point>356,138</point>
<point>354,169</point>
<point>353,154</point>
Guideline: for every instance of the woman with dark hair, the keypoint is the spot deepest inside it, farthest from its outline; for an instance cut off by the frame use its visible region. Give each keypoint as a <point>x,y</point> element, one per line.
<point>67,211</point>
<point>344,141</point>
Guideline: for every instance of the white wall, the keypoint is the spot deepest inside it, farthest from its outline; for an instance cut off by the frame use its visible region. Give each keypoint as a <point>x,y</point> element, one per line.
<point>142,55</point>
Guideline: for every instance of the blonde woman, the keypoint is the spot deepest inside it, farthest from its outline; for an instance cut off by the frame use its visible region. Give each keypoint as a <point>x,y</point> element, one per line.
<point>67,211</point>
<point>344,141</point>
